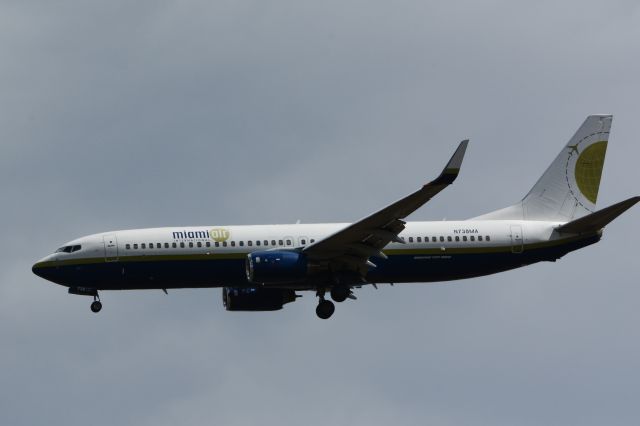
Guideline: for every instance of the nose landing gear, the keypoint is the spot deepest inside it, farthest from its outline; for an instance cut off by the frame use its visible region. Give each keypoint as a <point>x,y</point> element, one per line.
<point>96,306</point>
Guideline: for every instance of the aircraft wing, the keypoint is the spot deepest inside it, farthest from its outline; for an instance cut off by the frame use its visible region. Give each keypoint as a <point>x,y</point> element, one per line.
<point>350,248</point>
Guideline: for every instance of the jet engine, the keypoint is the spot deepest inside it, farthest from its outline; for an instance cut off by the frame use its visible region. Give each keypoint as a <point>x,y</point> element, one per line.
<point>256,299</point>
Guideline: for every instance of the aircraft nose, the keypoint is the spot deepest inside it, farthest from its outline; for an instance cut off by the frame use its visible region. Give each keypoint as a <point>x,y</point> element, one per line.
<point>43,268</point>
<point>38,269</point>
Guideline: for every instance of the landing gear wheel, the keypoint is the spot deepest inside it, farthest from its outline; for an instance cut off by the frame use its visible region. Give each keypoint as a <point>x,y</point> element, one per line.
<point>96,306</point>
<point>325,309</point>
<point>339,293</point>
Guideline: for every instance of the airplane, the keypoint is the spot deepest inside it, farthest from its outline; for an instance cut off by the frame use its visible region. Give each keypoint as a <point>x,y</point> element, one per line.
<point>261,267</point>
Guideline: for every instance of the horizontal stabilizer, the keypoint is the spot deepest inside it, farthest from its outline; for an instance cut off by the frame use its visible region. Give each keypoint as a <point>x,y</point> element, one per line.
<point>598,220</point>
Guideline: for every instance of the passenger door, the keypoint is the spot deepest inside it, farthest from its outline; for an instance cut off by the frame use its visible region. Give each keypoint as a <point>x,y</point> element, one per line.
<point>110,248</point>
<point>516,238</point>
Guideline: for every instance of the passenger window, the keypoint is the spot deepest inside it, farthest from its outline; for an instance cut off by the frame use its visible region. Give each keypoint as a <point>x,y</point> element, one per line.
<point>434,239</point>
<point>488,239</point>
<point>464,238</point>
<point>190,244</point>
<point>266,242</point>
<point>166,245</point>
<point>410,239</point>
<point>449,238</point>
<point>224,244</point>
<point>159,245</point>
<point>457,238</point>
<point>233,243</point>
<point>249,243</point>
<point>150,245</point>
<point>181,245</point>
<point>143,246</point>
<point>419,239</point>
<point>128,246</point>
<point>303,242</point>
<point>199,244</point>
<point>280,243</point>
<point>217,244</point>
<point>174,245</point>
<point>441,239</point>
<point>472,238</point>
<point>208,244</point>
<point>241,243</point>
<point>135,246</point>
<point>288,242</point>
<point>257,242</point>
<point>312,240</point>
<point>479,237</point>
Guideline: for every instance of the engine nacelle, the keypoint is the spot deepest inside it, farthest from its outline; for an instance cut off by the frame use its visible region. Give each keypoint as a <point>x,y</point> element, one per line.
<point>256,299</point>
<point>276,267</point>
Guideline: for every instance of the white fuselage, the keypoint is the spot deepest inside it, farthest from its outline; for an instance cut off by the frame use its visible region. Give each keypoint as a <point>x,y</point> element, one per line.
<point>213,256</point>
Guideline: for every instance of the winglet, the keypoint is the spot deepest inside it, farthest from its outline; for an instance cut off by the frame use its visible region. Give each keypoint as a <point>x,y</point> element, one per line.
<point>451,170</point>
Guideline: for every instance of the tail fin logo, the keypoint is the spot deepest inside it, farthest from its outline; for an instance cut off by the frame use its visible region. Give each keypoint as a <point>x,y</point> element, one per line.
<point>586,168</point>
<point>573,148</point>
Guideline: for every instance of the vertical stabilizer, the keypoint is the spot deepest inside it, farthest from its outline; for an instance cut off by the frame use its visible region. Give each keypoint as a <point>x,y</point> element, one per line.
<point>569,188</point>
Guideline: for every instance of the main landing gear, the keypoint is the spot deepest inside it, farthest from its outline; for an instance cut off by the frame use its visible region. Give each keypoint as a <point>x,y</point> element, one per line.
<point>96,306</point>
<point>339,293</point>
<point>325,309</point>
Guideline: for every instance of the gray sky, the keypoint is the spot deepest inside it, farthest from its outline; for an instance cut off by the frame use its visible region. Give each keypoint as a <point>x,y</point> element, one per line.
<point>137,114</point>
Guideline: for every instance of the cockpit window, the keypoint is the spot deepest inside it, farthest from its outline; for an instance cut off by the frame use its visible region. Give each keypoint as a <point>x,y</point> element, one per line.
<point>68,249</point>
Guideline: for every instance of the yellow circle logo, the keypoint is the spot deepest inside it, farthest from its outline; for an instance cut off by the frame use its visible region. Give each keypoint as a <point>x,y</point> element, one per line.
<point>588,170</point>
<point>219,234</point>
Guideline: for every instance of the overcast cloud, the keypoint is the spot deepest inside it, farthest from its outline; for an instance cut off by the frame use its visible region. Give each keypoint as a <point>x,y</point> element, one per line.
<point>119,115</point>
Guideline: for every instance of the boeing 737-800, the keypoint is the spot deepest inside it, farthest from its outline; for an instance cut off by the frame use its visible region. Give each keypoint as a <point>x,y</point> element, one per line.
<point>261,267</point>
